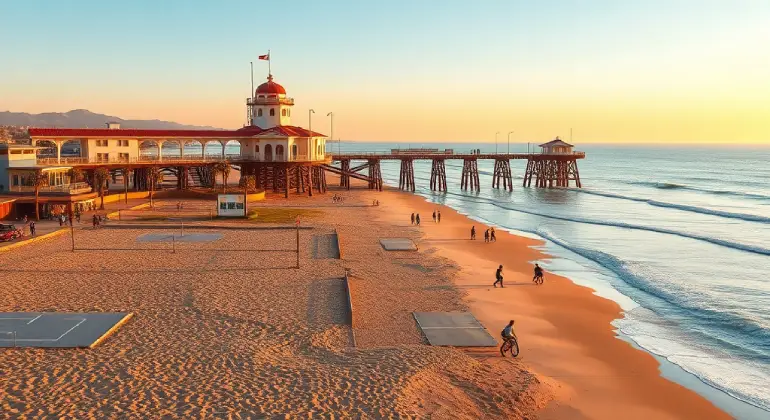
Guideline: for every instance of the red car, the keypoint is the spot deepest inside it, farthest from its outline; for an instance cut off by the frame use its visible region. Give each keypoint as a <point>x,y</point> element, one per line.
<point>9,233</point>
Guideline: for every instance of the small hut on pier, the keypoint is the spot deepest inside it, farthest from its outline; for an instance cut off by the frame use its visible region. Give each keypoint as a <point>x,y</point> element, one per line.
<point>556,147</point>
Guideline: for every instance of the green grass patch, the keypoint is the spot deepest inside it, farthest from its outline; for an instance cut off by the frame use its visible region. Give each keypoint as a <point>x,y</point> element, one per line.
<point>280,215</point>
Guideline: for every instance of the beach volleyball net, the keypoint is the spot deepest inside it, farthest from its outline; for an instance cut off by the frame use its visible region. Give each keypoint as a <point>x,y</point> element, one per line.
<point>165,215</point>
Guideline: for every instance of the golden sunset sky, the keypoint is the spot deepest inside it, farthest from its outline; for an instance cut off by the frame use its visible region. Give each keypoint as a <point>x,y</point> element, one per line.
<point>614,71</point>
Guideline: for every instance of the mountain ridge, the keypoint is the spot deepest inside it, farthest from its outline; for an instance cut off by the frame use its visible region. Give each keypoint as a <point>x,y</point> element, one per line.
<point>83,118</point>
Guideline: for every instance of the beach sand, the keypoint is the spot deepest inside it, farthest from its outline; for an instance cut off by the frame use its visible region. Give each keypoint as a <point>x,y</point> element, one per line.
<point>564,329</point>
<point>228,334</point>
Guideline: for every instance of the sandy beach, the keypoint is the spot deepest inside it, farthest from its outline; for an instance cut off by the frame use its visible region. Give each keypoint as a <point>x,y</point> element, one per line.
<point>228,329</point>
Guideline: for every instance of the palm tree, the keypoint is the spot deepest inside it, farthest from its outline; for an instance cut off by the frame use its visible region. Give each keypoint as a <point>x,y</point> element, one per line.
<point>101,175</point>
<point>155,176</point>
<point>40,180</point>
<point>224,168</point>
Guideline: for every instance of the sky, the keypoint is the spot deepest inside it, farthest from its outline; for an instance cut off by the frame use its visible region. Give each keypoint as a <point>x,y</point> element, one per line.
<point>632,71</point>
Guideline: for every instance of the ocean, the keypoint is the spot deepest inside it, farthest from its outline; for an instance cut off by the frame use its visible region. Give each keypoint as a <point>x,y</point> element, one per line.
<point>679,236</point>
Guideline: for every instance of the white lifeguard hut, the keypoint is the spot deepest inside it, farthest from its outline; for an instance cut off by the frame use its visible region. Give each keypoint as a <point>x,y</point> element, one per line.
<point>556,146</point>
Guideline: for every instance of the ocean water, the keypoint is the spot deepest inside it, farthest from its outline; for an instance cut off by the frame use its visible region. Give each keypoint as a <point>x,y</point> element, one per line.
<point>678,236</point>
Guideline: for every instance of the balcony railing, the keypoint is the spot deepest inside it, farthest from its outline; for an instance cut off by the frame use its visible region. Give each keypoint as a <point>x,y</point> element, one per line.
<point>74,188</point>
<point>237,157</point>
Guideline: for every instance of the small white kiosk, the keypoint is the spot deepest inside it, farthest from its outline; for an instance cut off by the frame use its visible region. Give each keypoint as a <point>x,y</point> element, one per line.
<point>231,205</point>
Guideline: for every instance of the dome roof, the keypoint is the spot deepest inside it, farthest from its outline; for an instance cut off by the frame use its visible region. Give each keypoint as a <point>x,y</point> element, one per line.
<point>271,87</point>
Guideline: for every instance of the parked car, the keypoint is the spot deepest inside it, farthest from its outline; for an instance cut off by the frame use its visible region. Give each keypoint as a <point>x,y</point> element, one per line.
<point>9,233</point>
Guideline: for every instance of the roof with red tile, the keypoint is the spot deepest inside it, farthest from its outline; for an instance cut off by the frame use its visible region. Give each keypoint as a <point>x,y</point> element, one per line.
<point>130,132</point>
<point>248,131</point>
<point>271,87</point>
<point>291,131</point>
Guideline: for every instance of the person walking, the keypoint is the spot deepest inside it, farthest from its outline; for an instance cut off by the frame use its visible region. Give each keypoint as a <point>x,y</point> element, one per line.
<point>486,235</point>
<point>95,221</point>
<point>438,217</point>
<point>434,216</point>
<point>32,228</point>
<point>61,220</point>
<point>492,235</point>
<point>498,277</point>
<point>412,218</point>
<point>417,219</point>
<point>473,233</point>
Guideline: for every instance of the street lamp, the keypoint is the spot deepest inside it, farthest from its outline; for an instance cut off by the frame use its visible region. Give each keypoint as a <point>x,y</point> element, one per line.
<point>331,117</point>
<point>509,142</point>
<point>496,141</point>
<point>310,113</point>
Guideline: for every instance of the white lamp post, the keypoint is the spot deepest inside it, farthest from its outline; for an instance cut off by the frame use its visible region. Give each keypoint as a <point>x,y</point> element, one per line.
<point>496,141</point>
<point>509,142</point>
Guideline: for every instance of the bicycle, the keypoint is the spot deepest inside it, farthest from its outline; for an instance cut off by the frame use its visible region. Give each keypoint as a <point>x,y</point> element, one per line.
<point>510,345</point>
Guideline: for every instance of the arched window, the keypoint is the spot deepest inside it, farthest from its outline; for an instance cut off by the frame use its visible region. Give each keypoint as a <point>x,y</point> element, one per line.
<point>319,150</point>
<point>259,112</point>
<point>288,112</point>
<point>294,151</point>
<point>256,149</point>
<point>283,112</point>
<point>272,112</point>
<point>268,153</point>
<point>279,151</point>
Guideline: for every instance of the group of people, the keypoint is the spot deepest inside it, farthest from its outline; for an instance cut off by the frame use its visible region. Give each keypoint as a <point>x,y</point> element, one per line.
<point>537,278</point>
<point>489,234</point>
<point>375,202</point>
<point>337,199</point>
<point>436,216</point>
<point>416,219</point>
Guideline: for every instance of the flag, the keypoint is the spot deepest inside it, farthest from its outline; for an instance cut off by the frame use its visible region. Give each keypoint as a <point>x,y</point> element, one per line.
<point>264,57</point>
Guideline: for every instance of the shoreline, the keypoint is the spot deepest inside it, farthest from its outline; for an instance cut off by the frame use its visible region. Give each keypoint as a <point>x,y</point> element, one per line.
<point>565,329</point>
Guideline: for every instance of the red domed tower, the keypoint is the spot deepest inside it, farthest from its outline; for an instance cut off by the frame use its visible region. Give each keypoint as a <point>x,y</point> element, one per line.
<point>270,106</point>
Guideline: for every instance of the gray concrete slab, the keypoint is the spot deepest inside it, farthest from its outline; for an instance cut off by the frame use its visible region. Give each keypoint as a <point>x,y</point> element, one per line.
<point>187,237</point>
<point>457,329</point>
<point>58,329</point>
<point>398,244</point>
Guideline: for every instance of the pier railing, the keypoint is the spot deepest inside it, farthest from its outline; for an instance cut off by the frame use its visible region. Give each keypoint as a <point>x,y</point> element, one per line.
<point>186,159</point>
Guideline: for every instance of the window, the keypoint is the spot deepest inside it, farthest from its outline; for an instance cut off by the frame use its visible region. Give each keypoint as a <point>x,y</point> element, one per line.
<point>272,112</point>
<point>294,150</point>
<point>288,112</point>
<point>123,157</point>
<point>102,143</point>
<point>283,112</point>
<point>123,143</point>
<point>279,150</point>
<point>103,157</point>
<point>259,112</point>
<point>319,152</point>
<point>256,149</point>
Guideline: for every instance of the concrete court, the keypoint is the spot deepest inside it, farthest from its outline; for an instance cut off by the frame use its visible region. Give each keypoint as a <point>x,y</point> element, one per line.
<point>398,244</point>
<point>58,329</point>
<point>456,329</point>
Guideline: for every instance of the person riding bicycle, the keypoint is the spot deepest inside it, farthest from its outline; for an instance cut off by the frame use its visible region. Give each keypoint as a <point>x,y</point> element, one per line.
<point>508,332</point>
<point>538,273</point>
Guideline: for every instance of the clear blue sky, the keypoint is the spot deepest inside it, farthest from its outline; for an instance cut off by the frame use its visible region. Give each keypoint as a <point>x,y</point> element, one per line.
<point>446,69</point>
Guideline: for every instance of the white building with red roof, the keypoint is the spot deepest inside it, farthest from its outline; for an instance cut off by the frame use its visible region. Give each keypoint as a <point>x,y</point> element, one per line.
<point>269,138</point>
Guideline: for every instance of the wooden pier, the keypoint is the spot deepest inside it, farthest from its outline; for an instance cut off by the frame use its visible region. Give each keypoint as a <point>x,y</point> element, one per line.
<point>548,170</point>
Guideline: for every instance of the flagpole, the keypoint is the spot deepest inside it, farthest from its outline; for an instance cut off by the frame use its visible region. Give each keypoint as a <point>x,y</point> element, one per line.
<point>269,70</point>
<point>252,81</point>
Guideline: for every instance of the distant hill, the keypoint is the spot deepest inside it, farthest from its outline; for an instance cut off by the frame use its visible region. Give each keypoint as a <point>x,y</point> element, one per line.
<point>82,118</point>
